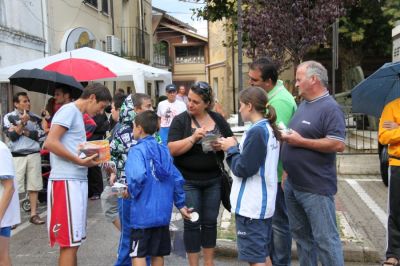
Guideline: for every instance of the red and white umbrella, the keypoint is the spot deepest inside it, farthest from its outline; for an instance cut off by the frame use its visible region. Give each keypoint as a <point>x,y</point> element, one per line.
<point>86,64</point>
<point>81,69</point>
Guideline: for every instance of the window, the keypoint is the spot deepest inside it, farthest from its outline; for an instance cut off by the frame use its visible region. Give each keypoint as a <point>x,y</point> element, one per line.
<point>161,53</point>
<point>215,87</point>
<point>189,55</point>
<point>91,2</point>
<point>104,6</point>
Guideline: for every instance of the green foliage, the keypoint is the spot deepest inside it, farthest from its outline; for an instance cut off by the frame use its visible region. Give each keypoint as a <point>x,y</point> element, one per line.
<point>366,29</point>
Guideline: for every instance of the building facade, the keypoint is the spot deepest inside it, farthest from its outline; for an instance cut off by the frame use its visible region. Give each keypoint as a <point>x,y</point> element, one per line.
<point>179,49</point>
<point>222,69</point>
<point>33,29</point>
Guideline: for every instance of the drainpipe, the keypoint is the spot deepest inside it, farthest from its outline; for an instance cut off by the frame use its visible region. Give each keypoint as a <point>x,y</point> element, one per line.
<point>112,16</point>
<point>45,29</point>
<point>142,44</point>
<point>113,33</point>
<point>208,53</point>
<point>233,74</point>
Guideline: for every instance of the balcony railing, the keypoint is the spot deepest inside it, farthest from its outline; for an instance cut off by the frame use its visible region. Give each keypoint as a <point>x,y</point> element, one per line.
<point>190,60</point>
<point>161,60</point>
<point>135,44</point>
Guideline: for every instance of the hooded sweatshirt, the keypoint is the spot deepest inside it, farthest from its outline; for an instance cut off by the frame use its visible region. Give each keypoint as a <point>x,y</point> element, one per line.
<point>154,184</point>
<point>122,139</point>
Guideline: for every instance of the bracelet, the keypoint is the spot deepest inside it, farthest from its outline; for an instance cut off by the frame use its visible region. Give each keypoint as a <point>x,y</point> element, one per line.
<point>191,141</point>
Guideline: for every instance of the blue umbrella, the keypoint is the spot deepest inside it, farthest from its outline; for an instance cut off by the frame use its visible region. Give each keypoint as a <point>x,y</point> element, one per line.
<point>372,94</point>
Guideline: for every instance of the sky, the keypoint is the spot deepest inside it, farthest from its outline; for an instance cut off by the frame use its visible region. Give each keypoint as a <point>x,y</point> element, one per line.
<point>181,11</point>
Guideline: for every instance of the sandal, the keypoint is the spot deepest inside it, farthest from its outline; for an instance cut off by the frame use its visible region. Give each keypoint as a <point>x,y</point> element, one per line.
<point>35,219</point>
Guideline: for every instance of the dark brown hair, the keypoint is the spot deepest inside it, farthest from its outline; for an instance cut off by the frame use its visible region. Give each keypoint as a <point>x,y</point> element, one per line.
<point>99,90</point>
<point>259,100</point>
<point>204,90</point>
<point>148,120</point>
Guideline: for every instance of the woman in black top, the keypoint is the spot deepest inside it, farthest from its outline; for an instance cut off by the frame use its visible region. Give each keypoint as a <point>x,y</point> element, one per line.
<point>200,169</point>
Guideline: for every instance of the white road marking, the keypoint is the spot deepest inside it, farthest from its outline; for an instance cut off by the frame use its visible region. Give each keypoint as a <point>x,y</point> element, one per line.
<point>364,179</point>
<point>26,224</point>
<point>379,213</point>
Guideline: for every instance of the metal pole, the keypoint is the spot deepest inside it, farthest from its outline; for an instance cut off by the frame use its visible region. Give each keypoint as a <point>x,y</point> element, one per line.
<point>240,56</point>
<point>335,54</point>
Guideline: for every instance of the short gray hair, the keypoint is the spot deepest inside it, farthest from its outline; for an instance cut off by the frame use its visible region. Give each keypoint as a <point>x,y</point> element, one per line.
<point>313,68</point>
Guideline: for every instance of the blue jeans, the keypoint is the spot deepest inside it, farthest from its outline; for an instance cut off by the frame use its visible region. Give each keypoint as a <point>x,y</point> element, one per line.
<point>205,198</point>
<point>280,248</point>
<point>312,220</point>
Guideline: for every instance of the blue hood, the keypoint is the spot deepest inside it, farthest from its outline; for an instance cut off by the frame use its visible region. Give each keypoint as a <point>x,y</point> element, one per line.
<point>154,184</point>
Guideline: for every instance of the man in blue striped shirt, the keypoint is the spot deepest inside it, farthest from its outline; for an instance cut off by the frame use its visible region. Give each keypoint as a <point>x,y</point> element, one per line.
<point>309,154</point>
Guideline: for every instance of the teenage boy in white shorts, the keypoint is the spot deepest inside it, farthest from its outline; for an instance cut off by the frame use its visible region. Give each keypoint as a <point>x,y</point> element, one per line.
<point>67,189</point>
<point>9,204</point>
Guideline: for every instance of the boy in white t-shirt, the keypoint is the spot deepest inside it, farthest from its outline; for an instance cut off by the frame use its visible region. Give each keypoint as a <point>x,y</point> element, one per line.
<point>67,188</point>
<point>167,110</point>
<point>9,203</point>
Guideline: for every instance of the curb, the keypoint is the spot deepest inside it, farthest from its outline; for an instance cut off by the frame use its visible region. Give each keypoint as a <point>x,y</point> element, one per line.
<point>352,251</point>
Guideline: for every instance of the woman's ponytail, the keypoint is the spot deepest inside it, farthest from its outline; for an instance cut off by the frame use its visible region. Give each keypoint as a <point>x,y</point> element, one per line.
<point>270,114</point>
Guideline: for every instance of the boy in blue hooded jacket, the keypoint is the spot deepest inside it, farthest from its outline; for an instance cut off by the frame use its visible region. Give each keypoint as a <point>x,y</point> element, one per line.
<point>154,184</point>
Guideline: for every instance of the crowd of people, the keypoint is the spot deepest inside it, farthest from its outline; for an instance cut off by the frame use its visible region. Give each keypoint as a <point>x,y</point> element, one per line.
<point>283,170</point>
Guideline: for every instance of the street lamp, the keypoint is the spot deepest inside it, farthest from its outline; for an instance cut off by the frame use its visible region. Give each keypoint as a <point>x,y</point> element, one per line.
<point>184,39</point>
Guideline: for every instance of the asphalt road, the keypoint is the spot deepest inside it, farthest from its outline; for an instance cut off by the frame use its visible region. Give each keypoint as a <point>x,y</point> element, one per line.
<point>361,198</point>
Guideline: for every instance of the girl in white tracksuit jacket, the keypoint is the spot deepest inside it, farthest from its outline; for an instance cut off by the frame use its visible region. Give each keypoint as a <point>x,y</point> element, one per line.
<point>254,165</point>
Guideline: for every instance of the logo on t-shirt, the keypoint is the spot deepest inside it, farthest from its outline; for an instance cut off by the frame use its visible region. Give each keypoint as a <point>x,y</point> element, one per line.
<point>306,122</point>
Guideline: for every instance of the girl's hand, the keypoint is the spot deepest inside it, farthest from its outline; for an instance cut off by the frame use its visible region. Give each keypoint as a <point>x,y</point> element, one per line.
<point>226,143</point>
<point>216,146</point>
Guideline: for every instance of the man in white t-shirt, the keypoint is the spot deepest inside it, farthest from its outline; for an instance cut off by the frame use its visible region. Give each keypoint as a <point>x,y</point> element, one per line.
<point>68,185</point>
<point>167,110</point>
<point>9,203</point>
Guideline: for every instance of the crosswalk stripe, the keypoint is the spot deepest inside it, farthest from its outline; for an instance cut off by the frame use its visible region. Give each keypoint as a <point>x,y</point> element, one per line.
<point>379,213</point>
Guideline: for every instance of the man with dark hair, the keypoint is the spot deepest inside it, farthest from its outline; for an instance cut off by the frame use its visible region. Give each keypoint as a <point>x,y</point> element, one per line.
<point>68,184</point>
<point>62,95</point>
<point>116,104</point>
<point>264,74</point>
<point>23,128</point>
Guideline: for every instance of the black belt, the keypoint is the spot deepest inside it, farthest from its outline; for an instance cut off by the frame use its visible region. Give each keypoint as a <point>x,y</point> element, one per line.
<point>16,154</point>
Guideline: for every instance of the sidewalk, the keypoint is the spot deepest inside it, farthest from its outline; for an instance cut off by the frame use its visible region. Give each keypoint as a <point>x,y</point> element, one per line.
<point>356,247</point>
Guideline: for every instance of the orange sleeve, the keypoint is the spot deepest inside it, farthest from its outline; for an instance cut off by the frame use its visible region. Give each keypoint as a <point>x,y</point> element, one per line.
<point>391,112</point>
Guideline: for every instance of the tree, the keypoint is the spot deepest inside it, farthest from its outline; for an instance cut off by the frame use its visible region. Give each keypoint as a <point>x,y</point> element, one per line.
<point>283,30</point>
<point>366,30</point>
<point>286,30</point>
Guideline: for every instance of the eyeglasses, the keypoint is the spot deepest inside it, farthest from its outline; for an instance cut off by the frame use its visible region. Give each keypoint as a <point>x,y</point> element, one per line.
<point>203,86</point>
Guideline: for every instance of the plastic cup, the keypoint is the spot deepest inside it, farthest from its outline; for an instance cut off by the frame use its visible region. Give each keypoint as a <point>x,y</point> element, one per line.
<point>194,217</point>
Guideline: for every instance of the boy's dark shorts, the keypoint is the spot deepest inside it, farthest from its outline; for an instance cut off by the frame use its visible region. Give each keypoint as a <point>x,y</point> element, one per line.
<point>155,242</point>
<point>253,238</point>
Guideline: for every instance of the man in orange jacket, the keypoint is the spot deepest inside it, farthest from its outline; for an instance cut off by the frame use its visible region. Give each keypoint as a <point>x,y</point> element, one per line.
<point>389,134</point>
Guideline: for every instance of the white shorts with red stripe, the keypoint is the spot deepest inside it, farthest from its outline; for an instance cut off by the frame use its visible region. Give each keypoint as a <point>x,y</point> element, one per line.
<point>67,212</point>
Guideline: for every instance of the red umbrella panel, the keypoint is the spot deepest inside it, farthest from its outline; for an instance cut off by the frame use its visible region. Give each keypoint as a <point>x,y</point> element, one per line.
<point>81,69</point>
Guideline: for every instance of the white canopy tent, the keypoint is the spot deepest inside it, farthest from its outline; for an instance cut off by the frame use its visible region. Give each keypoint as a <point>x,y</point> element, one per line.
<point>125,70</point>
